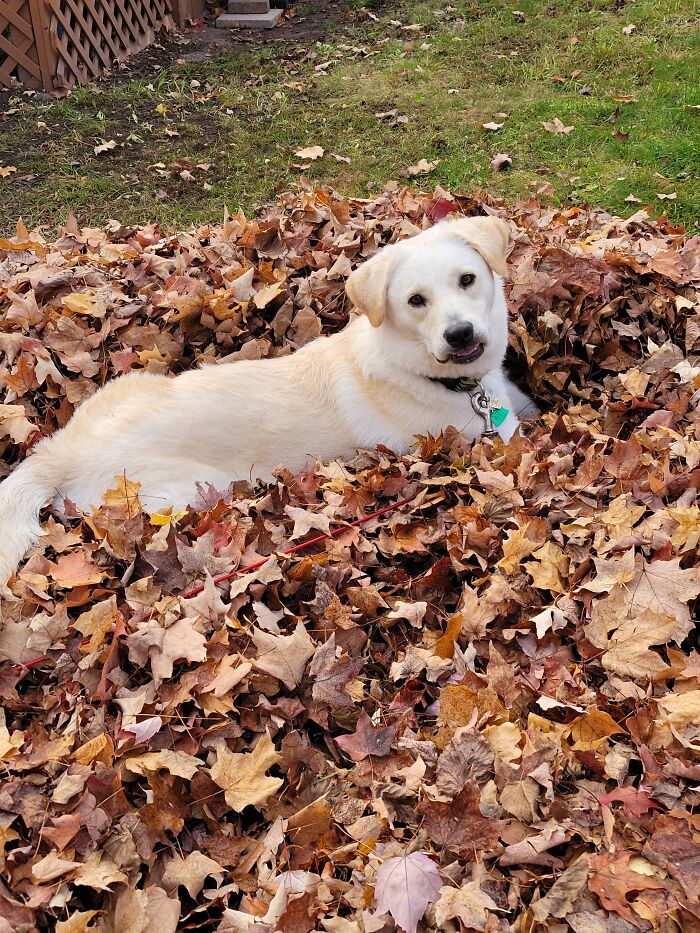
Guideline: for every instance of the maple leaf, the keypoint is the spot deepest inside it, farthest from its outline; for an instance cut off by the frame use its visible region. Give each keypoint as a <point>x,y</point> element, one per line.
<point>77,922</point>
<point>98,872</point>
<point>634,802</point>
<point>627,649</point>
<point>284,656</point>
<point>96,622</point>
<point>423,167</point>
<point>469,904</point>
<point>304,521</point>
<point>556,126</point>
<point>191,872</point>
<point>71,570</point>
<point>592,729</point>
<point>491,126</point>
<point>612,880</point>
<point>163,646</point>
<point>175,762</point>
<point>460,824</point>
<point>331,674</point>
<point>612,571</point>
<point>367,740</point>
<point>242,775</point>
<point>412,612</point>
<point>404,887</point>
<point>52,866</point>
<point>15,424</point>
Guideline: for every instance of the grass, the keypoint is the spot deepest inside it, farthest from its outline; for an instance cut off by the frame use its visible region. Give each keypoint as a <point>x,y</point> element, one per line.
<point>633,100</point>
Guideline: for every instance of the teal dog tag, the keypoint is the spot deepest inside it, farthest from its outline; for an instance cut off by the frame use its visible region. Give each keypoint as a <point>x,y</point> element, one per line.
<point>498,416</point>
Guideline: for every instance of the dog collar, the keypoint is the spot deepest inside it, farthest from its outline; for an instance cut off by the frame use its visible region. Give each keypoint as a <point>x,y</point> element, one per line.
<point>458,384</point>
<point>488,407</point>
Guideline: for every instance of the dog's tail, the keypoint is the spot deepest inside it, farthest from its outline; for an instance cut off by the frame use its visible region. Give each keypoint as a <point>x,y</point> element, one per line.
<point>22,495</point>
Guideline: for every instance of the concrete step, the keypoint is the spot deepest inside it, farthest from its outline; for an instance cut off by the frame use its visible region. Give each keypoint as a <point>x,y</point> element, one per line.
<point>249,21</point>
<point>246,7</point>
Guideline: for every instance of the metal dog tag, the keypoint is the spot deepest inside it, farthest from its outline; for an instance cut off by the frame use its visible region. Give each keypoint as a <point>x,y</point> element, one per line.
<point>481,403</point>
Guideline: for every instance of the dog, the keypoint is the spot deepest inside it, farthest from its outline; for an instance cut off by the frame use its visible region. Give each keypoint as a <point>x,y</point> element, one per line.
<point>426,352</point>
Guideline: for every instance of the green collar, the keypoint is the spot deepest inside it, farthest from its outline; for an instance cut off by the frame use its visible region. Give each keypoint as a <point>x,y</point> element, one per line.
<point>457,384</point>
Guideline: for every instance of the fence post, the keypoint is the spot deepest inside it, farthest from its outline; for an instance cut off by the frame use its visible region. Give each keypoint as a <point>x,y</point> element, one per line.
<point>46,54</point>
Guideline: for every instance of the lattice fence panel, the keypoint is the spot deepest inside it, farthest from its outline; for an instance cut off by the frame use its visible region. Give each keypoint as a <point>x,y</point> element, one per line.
<point>19,56</point>
<point>58,43</point>
<point>89,35</point>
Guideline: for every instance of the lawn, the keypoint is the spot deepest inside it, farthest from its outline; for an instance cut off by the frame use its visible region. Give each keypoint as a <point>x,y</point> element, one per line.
<point>193,138</point>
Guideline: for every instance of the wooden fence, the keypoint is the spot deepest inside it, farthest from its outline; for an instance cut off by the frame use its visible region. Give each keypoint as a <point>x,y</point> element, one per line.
<point>51,44</point>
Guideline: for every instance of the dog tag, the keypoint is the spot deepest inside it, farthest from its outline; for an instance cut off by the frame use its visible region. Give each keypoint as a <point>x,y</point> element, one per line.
<point>498,416</point>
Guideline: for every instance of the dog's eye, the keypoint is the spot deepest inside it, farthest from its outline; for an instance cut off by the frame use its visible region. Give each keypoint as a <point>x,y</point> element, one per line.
<point>466,280</point>
<point>416,301</point>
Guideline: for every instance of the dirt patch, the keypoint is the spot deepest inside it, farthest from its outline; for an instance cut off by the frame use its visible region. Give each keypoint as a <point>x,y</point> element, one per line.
<point>302,25</point>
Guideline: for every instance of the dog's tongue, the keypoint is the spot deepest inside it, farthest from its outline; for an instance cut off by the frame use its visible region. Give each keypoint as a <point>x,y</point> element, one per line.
<point>468,352</point>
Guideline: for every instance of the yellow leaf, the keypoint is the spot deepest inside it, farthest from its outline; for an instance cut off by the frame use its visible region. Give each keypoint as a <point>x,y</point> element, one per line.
<point>124,495</point>
<point>178,763</point>
<point>78,303</point>
<point>592,729</point>
<point>242,775</point>
<point>160,518</point>
<point>516,547</point>
<point>101,748</point>
<point>635,381</point>
<point>550,569</point>
<point>77,922</point>
<point>263,298</point>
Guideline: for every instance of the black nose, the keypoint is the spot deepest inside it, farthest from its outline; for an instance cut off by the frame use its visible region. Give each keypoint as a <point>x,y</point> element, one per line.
<point>459,336</point>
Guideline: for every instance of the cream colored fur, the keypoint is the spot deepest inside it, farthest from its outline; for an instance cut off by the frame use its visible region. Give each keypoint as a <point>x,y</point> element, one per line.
<point>365,386</point>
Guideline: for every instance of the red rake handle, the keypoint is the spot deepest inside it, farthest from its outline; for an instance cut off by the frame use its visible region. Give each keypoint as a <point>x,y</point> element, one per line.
<point>259,563</point>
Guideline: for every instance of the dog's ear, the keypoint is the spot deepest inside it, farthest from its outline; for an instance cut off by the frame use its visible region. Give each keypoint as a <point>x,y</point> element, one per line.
<point>488,236</point>
<point>368,285</point>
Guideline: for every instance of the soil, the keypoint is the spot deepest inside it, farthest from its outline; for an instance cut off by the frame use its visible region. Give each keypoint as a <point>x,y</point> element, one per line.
<point>202,41</point>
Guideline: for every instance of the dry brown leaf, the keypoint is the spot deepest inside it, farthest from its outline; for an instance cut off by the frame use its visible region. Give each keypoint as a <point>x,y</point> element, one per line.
<point>242,775</point>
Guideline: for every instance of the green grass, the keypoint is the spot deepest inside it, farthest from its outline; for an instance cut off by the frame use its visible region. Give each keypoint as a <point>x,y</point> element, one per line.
<point>246,114</point>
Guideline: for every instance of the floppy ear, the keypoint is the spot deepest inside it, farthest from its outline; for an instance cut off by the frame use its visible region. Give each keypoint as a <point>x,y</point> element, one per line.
<point>367,286</point>
<point>488,236</point>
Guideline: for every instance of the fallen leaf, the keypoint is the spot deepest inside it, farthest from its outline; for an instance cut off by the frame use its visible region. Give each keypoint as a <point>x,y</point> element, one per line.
<point>284,656</point>
<point>469,904</point>
<point>105,146</point>
<point>501,162</point>
<point>311,152</point>
<point>423,167</point>
<point>556,126</point>
<point>242,775</point>
<point>404,887</point>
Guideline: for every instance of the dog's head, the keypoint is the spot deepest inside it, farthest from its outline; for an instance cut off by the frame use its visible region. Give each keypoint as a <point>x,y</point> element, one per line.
<point>442,291</point>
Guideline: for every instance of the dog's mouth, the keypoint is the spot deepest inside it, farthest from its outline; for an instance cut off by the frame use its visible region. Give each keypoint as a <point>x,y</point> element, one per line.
<point>465,354</point>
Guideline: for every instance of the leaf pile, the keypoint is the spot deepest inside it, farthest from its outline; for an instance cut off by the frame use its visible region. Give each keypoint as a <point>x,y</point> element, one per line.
<point>479,711</point>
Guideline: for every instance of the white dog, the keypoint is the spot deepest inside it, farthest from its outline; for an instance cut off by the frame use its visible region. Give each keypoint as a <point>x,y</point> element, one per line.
<point>427,353</point>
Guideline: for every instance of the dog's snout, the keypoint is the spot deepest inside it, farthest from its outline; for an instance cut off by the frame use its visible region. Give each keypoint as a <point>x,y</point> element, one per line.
<point>459,336</point>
